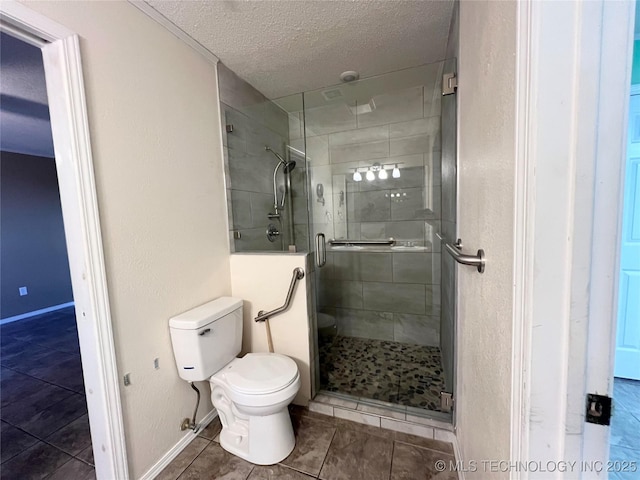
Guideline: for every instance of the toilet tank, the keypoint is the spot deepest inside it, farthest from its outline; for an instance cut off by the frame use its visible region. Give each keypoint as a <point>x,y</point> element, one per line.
<point>206,338</point>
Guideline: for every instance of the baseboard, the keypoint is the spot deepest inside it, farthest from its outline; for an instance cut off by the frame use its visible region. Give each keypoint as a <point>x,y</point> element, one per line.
<point>22,316</point>
<point>166,459</point>
<point>458,457</point>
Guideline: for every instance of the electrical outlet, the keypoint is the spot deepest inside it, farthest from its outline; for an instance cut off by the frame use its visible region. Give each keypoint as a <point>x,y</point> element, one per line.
<point>23,291</point>
<point>156,363</point>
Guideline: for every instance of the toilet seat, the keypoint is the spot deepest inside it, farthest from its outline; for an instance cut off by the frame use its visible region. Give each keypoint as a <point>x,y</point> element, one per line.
<point>260,373</point>
<point>259,379</point>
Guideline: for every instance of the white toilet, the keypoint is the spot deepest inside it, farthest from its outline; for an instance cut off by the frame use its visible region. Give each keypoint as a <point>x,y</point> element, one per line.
<point>250,393</point>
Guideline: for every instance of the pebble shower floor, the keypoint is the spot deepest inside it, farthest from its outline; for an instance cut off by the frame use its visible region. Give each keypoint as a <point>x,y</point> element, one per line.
<point>393,372</point>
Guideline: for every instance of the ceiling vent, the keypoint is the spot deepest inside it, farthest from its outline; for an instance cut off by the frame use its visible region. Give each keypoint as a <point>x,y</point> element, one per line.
<point>332,94</point>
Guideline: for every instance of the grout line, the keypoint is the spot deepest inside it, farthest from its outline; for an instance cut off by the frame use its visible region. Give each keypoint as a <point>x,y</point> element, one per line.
<point>190,463</point>
<point>328,449</point>
<point>393,451</point>
<point>41,380</point>
<point>426,448</point>
<point>55,470</point>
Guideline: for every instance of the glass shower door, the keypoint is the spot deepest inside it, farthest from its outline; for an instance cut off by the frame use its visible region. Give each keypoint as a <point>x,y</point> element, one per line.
<point>374,150</point>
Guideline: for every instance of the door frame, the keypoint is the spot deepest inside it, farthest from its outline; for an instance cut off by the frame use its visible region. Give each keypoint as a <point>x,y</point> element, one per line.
<point>572,88</point>
<point>74,165</point>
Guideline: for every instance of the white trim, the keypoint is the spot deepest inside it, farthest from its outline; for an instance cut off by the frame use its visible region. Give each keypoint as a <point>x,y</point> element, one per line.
<point>168,457</point>
<point>32,22</point>
<point>74,164</point>
<point>458,457</point>
<point>611,137</point>
<point>154,14</point>
<point>22,35</point>
<point>522,242</point>
<point>35,313</point>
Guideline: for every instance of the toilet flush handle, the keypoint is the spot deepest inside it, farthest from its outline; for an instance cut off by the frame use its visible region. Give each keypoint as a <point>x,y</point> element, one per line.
<point>204,332</point>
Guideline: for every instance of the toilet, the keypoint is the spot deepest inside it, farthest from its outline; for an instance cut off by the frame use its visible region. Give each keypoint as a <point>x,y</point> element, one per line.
<point>251,394</point>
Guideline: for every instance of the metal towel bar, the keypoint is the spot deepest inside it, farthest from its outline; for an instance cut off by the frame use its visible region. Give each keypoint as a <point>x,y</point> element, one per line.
<point>298,274</point>
<point>455,250</point>
<point>390,241</point>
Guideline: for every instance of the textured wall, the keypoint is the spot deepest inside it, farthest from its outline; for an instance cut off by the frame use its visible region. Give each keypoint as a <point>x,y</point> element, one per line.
<point>154,119</point>
<point>262,280</point>
<point>33,251</point>
<point>486,152</point>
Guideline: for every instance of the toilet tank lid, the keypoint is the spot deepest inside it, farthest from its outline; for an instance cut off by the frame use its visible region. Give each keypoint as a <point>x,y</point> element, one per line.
<point>204,314</point>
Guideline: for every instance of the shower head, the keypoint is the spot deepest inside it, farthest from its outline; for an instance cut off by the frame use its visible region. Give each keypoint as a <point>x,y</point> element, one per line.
<point>288,166</point>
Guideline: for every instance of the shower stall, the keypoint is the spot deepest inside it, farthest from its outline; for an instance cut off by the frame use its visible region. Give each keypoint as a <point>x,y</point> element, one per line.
<point>371,194</point>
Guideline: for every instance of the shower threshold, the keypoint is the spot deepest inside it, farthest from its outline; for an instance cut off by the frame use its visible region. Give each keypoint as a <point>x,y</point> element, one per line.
<point>375,413</point>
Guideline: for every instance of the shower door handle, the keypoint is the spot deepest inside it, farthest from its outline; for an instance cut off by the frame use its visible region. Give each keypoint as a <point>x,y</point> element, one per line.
<point>321,250</point>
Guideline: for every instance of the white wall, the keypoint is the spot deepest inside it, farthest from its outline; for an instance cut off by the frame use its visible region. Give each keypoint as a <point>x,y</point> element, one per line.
<point>153,115</point>
<point>486,161</point>
<point>263,280</point>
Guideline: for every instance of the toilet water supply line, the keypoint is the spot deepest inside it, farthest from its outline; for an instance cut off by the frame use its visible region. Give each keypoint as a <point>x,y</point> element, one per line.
<point>187,423</point>
<point>298,274</point>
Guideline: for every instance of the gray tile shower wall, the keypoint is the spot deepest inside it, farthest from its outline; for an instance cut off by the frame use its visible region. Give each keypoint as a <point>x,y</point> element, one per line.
<point>383,295</point>
<point>257,122</point>
<point>391,119</point>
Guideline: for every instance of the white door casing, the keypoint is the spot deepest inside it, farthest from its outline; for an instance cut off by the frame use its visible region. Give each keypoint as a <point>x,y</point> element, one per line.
<point>74,165</point>
<point>571,142</point>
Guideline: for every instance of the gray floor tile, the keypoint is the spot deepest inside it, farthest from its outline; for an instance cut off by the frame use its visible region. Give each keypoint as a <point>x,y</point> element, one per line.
<point>624,467</point>
<point>47,421</point>
<point>429,443</point>
<point>86,455</point>
<point>216,463</point>
<point>212,430</point>
<point>273,472</point>
<point>36,462</point>
<point>74,470</point>
<point>184,459</point>
<point>18,386</point>
<point>626,394</point>
<point>30,404</point>
<point>625,430</point>
<point>411,462</point>
<point>72,438</point>
<point>13,441</point>
<point>313,438</point>
<point>355,455</point>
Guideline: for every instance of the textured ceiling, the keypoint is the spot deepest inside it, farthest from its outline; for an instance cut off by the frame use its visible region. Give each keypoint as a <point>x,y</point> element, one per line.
<point>284,47</point>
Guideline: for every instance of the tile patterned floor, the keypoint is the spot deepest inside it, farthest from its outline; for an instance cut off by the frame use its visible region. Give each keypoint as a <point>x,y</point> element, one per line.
<point>326,448</point>
<point>624,438</point>
<point>43,416</point>
<point>381,370</point>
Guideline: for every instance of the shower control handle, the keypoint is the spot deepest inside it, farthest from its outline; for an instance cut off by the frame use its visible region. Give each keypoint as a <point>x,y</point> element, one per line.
<point>321,250</point>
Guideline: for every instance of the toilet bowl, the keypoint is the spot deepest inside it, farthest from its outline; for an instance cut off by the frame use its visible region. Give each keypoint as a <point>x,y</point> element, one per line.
<point>251,393</point>
<point>327,328</point>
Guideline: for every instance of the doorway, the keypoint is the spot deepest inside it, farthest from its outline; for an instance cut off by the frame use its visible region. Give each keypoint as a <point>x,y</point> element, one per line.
<point>60,49</point>
<point>45,426</point>
<point>624,439</point>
